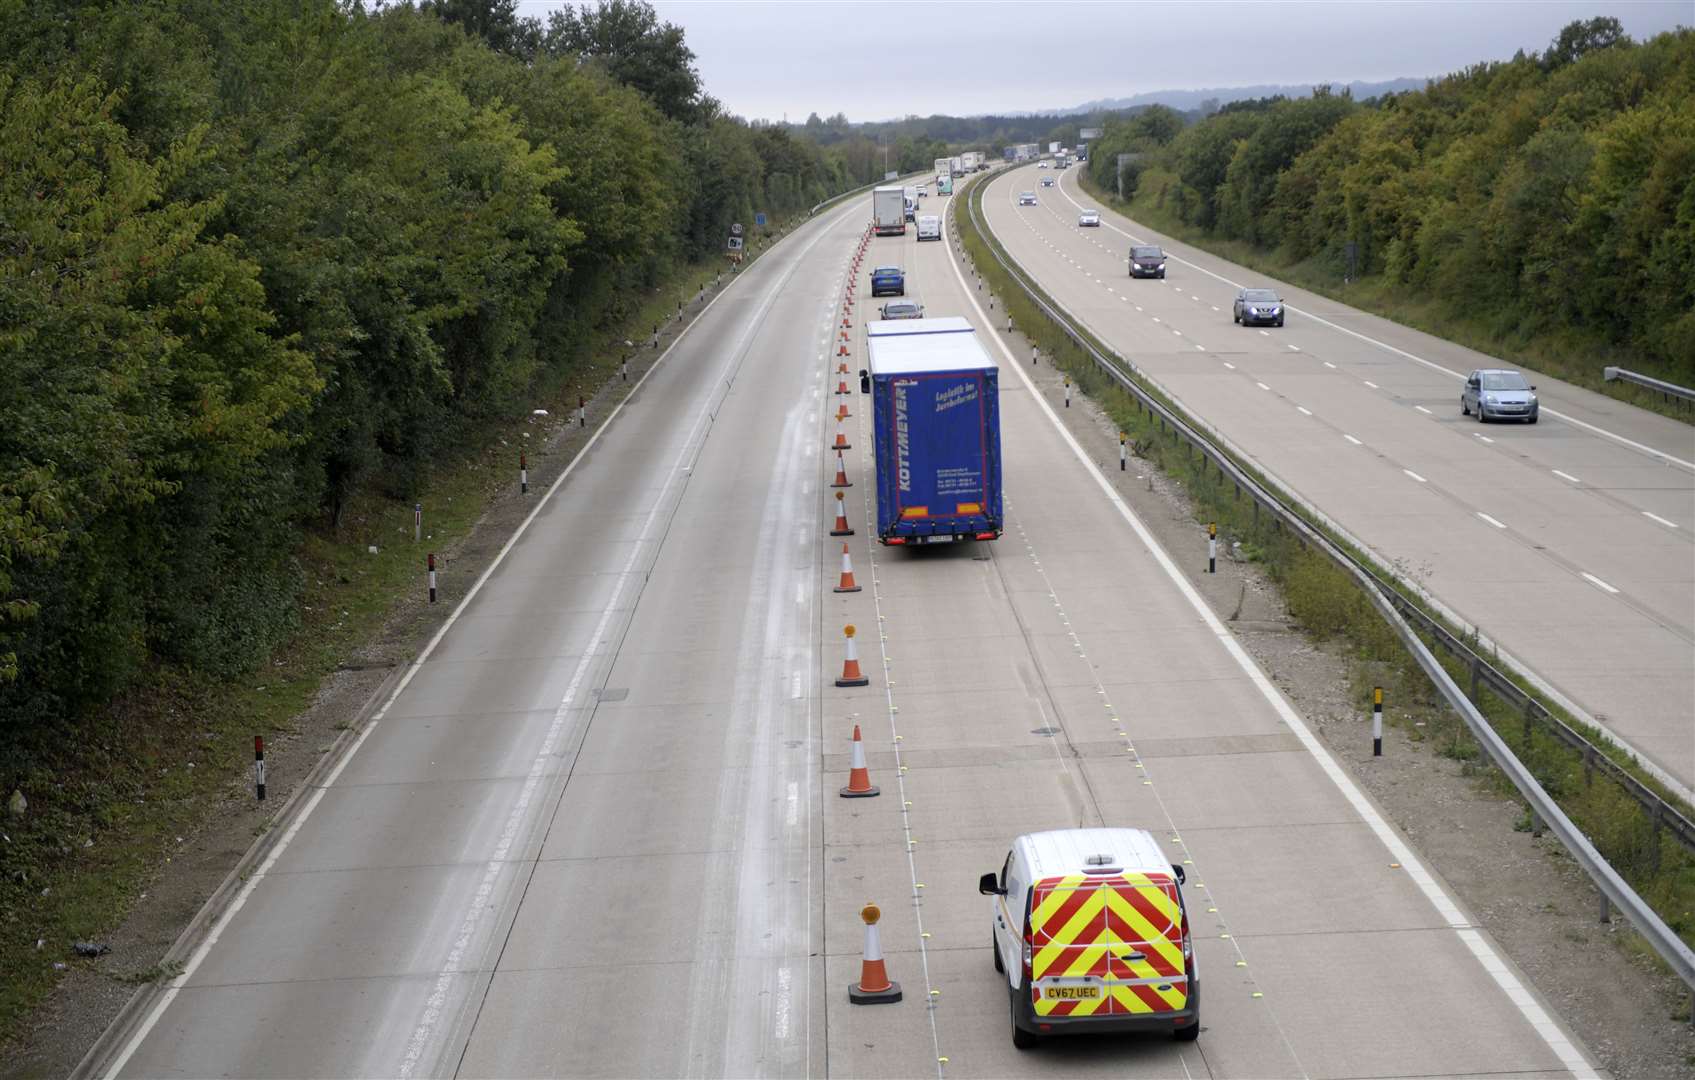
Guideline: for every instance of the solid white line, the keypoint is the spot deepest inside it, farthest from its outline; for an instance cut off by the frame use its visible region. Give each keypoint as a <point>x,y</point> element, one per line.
<point>1304,409</point>
<point>1432,365</point>
<point>1433,891</point>
<point>1353,440</point>
<point>1562,475</point>
<point>1490,520</point>
<point>311,804</point>
<point>1599,582</point>
<point>1424,410</point>
<point>1658,518</point>
<point>1415,476</point>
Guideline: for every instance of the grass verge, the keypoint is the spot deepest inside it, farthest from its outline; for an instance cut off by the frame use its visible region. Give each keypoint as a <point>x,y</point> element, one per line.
<point>1330,606</point>
<point>107,817</point>
<point>1577,359</point>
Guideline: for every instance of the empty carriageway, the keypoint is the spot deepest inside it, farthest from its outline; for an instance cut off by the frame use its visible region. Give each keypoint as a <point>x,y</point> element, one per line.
<point>1570,543</point>
<point>1066,675</point>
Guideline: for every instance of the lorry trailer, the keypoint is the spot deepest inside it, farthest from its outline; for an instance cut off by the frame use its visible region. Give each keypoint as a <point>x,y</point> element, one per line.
<point>888,210</point>
<point>935,431</point>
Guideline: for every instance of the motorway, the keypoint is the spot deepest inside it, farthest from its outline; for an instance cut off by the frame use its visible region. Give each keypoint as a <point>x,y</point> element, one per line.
<point>595,830</point>
<point>1570,544</point>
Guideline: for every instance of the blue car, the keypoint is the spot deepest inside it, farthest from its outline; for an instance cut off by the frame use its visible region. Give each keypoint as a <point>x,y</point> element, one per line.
<point>888,281</point>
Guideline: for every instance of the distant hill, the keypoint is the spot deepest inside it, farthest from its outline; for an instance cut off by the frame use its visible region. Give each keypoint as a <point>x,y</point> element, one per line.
<point>1186,100</point>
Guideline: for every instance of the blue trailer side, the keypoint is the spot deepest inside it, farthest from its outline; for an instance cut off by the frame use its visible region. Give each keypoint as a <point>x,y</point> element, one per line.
<point>936,432</point>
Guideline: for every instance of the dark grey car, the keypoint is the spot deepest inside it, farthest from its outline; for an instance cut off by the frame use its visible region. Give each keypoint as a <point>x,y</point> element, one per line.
<point>1498,394</point>
<point>1147,260</point>
<point>1255,307</point>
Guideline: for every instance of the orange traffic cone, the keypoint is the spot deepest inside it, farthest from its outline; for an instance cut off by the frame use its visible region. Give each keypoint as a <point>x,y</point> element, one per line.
<point>852,676</point>
<point>841,435</point>
<point>841,480</point>
<point>848,584</point>
<point>846,325</point>
<point>841,388</point>
<point>841,412</point>
<point>873,987</point>
<point>841,528</point>
<point>841,350</point>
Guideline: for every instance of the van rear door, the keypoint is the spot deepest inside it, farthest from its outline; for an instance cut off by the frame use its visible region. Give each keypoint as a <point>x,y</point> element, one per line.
<point>1106,945</point>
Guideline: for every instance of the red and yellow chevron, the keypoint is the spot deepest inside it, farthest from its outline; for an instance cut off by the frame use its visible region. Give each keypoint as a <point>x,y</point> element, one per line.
<point>1124,932</point>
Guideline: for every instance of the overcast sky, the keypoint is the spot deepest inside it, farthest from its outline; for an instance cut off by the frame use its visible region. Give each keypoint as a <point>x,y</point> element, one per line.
<point>875,60</point>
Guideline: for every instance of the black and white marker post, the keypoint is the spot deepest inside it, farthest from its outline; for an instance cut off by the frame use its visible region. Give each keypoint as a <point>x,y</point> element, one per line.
<point>1123,453</point>
<point>432,566</point>
<point>259,765</point>
<point>582,412</point>
<point>1212,547</point>
<point>1377,721</point>
<point>1068,391</point>
<point>417,522</point>
<point>523,475</point>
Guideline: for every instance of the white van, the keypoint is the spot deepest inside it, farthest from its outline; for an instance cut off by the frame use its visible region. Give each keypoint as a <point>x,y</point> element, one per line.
<point>1092,934</point>
<point>930,227</point>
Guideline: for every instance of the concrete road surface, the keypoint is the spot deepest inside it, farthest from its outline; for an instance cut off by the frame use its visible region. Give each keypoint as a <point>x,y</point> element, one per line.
<point>596,832</point>
<point>1570,544</point>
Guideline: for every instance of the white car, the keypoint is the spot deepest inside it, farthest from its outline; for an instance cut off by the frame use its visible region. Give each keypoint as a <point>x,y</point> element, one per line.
<point>1041,165</point>
<point>929,227</point>
<point>1026,198</point>
<point>1089,218</point>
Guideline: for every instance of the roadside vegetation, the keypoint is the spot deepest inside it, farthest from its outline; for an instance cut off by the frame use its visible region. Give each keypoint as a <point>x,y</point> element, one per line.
<point>1330,607</point>
<point>270,273</point>
<point>1541,209</point>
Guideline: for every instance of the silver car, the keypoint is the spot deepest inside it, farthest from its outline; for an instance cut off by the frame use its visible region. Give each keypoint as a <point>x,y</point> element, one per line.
<point>903,309</point>
<point>1499,394</point>
<point>1089,218</point>
<point>1256,306</point>
<point>1026,198</point>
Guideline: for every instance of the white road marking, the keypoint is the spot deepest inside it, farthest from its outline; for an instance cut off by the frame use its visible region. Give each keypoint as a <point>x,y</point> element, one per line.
<point>1490,520</point>
<point>1433,891</point>
<point>1215,307</point>
<point>1262,386</point>
<point>1485,438</point>
<point>1179,333</point>
<point>1156,317</point>
<point>1328,364</point>
<point>1229,365</point>
<point>1373,385</point>
<point>1415,476</point>
<point>1424,410</point>
<point>1295,348</point>
<point>1262,333</point>
<point>1351,439</point>
<point>1658,518</point>
<point>1304,409</point>
<point>1599,582</point>
<point>1565,475</point>
<point>1203,348</point>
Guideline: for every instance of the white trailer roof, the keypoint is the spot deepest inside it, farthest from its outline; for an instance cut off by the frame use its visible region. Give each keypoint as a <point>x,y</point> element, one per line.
<point>911,346</point>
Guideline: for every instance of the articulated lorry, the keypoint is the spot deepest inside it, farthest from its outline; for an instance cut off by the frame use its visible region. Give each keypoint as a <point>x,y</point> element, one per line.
<point>888,210</point>
<point>935,431</point>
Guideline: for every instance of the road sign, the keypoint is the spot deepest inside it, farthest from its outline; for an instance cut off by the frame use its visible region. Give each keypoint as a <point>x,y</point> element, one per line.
<point>735,243</point>
<point>736,229</point>
<point>892,174</point>
<point>759,220</point>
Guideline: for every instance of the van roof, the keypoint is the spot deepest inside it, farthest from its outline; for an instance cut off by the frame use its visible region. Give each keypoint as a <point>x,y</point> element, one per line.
<point>1060,852</point>
<point>911,346</point>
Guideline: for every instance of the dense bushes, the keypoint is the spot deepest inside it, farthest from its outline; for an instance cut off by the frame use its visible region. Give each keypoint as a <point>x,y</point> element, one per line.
<point>1550,192</point>
<point>256,257</point>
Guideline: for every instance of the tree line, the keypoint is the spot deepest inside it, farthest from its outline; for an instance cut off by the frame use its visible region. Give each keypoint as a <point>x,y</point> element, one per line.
<point>1554,191</point>
<point>257,256</point>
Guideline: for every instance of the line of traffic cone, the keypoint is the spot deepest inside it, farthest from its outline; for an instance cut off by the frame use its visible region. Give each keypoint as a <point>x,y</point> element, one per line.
<point>874,986</point>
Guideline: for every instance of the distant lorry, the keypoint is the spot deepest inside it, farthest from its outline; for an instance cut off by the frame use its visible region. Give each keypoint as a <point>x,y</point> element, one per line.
<point>970,161</point>
<point>935,431</point>
<point>958,168</point>
<point>944,167</point>
<point>888,210</point>
<point>944,185</point>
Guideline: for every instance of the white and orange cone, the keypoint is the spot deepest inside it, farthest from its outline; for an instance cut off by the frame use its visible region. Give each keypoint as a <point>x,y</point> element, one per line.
<point>847,583</point>
<point>859,777</point>
<point>841,480</point>
<point>874,986</point>
<point>841,432</point>
<point>841,528</point>
<point>841,388</point>
<point>842,413</point>
<point>852,676</point>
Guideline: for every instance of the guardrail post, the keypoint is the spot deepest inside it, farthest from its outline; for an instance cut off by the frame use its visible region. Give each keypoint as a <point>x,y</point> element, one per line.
<point>1529,716</point>
<point>1475,664</point>
<point>1535,822</point>
<point>1588,766</point>
<point>1606,910</point>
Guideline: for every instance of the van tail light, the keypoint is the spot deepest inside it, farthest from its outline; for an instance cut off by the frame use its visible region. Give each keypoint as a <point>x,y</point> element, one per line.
<point>1029,951</point>
<point>1188,949</point>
